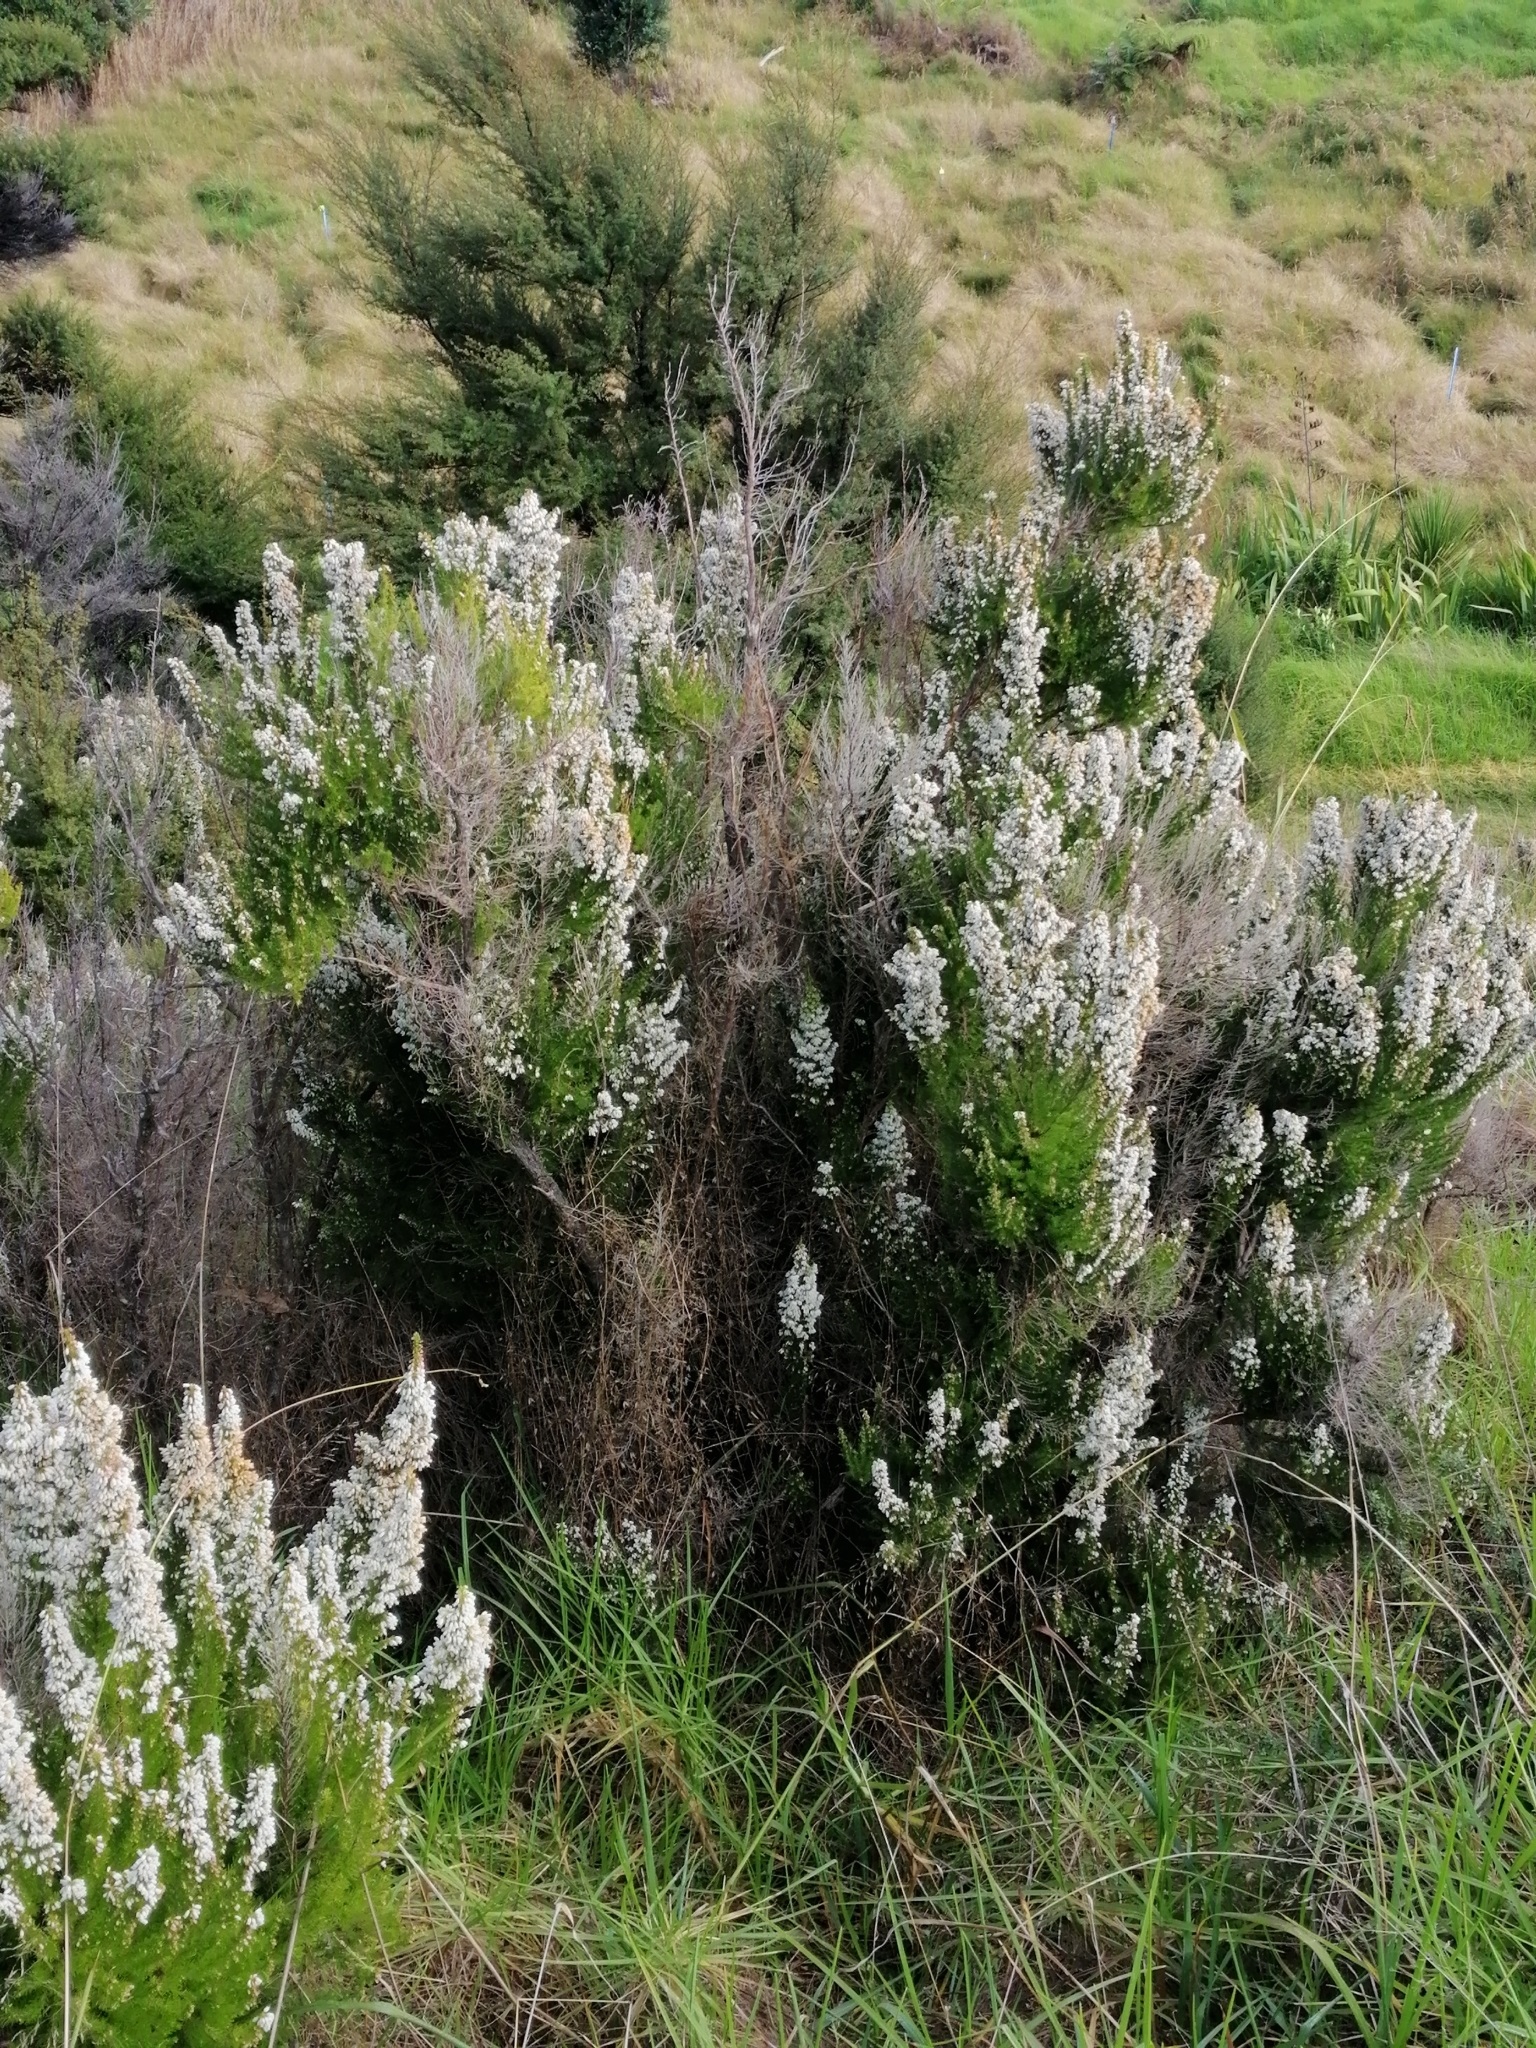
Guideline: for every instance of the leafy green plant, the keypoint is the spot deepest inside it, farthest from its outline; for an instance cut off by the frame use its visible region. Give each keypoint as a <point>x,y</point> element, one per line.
<point>1501,594</point>
<point>311,729</point>
<point>34,53</point>
<point>1437,534</point>
<point>1140,52</point>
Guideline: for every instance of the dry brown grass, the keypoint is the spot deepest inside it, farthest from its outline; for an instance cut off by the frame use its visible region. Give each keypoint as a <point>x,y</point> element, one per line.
<point>178,36</point>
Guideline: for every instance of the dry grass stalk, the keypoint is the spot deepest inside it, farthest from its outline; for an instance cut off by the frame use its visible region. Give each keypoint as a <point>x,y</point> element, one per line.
<point>179,35</point>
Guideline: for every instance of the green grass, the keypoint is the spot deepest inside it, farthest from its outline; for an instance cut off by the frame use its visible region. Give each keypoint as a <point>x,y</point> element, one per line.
<point>681,1824</point>
<point>1456,711</point>
<point>1282,48</point>
<point>674,1828</point>
<point>238,210</point>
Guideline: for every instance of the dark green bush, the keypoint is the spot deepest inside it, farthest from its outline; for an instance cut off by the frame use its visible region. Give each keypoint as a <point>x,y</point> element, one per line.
<point>34,53</point>
<point>50,839</point>
<point>611,34</point>
<point>57,42</point>
<point>563,260</point>
<point>96,22</point>
<point>47,351</point>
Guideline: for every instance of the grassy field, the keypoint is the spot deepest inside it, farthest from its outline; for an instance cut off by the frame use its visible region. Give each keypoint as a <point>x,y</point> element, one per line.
<point>1303,202</point>
<point>1319,206</point>
<point>1454,712</point>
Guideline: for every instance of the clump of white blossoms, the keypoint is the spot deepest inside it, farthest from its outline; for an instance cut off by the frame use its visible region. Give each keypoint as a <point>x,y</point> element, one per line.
<point>213,1737</point>
<point>1136,431</point>
<point>1109,1440</point>
<point>516,563</point>
<point>813,1048</point>
<point>722,570</point>
<point>918,971</point>
<point>799,1306</point>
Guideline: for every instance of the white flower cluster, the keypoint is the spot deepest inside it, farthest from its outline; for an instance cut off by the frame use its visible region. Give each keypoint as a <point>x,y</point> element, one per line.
<point>721,571</point>
<point>574,861</point>
<point>920,1013</point>
<point>920,1524</point>
<point>517,564</point>
<point>939,1516</point>
<point>1457,1002</point>
<point>10,788</point>
<point>1425,1399</point>
<point>813,1048</point>
<point>652,1049</point>
<point>29,1025</point>
<point>297,1630</point>
<point>642,645</point>
<point>1296,1164</point>
<point>1132,427</point>
<point>575,809</point>
<point>629,1554</point>
<point>1462,1006</point>
<point>889,1155</point>
<point>1404,847</point>
<point>320,707</point>
<point>1109,1440</point>
<point>800,1303</point>
<point>72,1523</point>
<point>1341,1028</point>
<point>1242,1149</point>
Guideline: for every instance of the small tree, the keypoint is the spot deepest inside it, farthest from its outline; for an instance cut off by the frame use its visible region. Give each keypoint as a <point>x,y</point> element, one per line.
<point>612,34</point>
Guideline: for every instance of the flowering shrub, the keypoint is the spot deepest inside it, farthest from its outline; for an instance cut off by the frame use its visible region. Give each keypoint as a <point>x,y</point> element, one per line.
<point>312,728</point>
<point>200,1752</point>
<point>1138,1219</point>
<point>930,1079</point>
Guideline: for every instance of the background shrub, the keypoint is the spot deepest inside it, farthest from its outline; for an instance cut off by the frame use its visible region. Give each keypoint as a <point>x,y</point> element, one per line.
<point>560,258</point>
<point>34,53</point>
<point>209,521</point>
<point>613,34</point>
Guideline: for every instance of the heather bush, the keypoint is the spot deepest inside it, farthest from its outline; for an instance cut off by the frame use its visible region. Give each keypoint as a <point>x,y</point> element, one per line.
<point>202,1745</point>
<point>65,524</point>
<point>917,1094</point>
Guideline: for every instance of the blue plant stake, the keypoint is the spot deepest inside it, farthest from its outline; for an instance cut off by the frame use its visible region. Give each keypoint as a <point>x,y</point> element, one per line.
<point>1450,389</point>
<point>325,223</point>
<point>1114,123</point>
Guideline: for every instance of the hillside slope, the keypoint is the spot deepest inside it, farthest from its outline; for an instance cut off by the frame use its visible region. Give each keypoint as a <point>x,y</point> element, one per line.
<point>1333,198</point>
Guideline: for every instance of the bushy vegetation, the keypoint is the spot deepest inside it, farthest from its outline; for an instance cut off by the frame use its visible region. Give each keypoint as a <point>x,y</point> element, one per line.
<point>563,256</point>
<point>58,42</point>
<point>972,1234</point>
<point>210,524</point>
<point>195,1791</point>
<point>964,1298</point>
<point>612,34</point>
